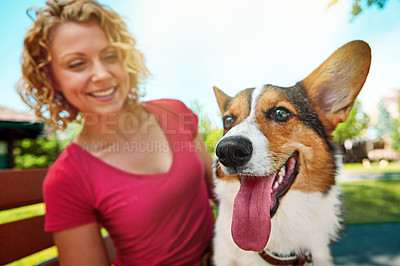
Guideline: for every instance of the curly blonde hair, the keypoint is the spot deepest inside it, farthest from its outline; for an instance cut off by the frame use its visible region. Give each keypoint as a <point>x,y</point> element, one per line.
<point>36,86</point>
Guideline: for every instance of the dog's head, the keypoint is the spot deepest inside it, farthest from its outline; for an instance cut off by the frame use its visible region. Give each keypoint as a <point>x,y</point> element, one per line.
<point>279,139</point>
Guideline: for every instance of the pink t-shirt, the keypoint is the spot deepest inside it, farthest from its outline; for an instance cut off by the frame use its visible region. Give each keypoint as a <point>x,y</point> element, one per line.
<point>161,219</point>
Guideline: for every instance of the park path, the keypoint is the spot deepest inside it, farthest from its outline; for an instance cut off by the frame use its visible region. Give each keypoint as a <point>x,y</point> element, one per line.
<point>376,245</point>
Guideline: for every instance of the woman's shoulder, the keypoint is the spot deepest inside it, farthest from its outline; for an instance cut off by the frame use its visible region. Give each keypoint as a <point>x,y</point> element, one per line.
<point>172,105</point>
<point>70,155</point>
<point>67,164</point>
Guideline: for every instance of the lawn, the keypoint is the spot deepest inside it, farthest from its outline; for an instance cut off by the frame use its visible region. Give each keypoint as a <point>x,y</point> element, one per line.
<point>392,167</point>
<point>369,202</point>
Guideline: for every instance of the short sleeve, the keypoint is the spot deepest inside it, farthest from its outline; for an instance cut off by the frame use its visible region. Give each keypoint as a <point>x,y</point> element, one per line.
<point>67,201</point>
<point>188,121</point>
<point>187,118</point>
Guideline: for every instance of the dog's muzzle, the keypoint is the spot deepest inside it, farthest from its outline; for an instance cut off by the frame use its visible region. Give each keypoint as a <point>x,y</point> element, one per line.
<point>234,151</point>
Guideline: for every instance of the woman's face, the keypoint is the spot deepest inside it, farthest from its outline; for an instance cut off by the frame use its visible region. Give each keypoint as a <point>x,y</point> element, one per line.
<point>87,70</point>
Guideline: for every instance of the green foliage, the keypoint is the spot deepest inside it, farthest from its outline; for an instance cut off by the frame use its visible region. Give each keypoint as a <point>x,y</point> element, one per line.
<point>385,120</point>
<point>360,5</point>
<point>42,152</point>
<point>204,121</point>
<point>388,126</point>
<point>353,127</point>
<point>208,132</point>
<point>212,139</point>
<point>395,135</point>
<point>70,133</point>
<point>35,153</point>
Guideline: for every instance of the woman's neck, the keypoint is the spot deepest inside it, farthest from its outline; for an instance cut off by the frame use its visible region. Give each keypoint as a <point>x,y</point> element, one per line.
<point>112,127</point>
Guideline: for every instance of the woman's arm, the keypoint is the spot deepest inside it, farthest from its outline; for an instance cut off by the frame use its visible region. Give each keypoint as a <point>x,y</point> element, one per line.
<point>208,166</point>
<point>81,245</point>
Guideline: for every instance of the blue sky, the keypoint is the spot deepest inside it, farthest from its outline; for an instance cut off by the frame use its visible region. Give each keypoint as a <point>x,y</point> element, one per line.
<point>193,45</point>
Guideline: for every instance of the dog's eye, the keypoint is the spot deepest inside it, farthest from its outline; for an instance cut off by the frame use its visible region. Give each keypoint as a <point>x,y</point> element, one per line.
<point>228,122</point>
<point>279,114</point>
<point>282,114</point>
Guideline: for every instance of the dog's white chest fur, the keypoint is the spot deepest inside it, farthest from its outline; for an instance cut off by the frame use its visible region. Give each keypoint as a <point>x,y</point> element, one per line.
<point>304,221</point>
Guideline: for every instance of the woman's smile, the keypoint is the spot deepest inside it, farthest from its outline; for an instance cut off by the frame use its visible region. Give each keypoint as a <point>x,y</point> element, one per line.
<point>104,94</point>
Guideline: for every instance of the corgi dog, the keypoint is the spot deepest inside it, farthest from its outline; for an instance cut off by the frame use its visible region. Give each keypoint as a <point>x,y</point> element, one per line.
<point>275,178</point>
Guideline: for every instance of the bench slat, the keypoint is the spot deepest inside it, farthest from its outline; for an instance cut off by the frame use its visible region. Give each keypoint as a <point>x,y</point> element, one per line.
<point>52,262</point>
<point>22,238</point>
<point>21,187</point>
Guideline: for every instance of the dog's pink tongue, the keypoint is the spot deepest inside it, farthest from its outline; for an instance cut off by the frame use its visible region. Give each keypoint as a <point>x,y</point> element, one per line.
<point>251,222</point>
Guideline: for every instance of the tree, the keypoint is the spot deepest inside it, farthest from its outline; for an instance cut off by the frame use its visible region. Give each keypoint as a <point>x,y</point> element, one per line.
<point>205,126</point>
<point>212,139</point>
<point>353,127</point>
<point>35,153</point>
<point>395,135</point>
<point>209,133</point>
<point>42,152</point>
<point>385,121</point>
<point>360,5</point>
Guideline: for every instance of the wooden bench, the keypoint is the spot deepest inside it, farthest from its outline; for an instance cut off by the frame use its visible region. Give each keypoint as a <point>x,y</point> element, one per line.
<point>21,238</point>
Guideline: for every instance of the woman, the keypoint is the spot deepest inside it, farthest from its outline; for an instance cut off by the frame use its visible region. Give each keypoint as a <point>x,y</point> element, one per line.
<point>138,169</point>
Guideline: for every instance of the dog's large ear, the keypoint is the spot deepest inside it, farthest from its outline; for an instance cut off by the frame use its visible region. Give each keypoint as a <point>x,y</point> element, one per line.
<point>334,85</point>
<point>222,99</point>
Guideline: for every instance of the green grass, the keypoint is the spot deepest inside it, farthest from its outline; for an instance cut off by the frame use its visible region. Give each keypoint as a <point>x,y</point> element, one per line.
<point>369,202</point>
<point>393,167</point>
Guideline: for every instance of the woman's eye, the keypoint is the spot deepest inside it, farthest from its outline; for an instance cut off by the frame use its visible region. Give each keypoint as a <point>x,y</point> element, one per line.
<point>228,122</point>
<point>76,64</point>
<point>282,114</point>
<point>111,57</point>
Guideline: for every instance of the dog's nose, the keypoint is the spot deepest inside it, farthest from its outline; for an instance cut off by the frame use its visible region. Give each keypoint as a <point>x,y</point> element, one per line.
<point>234,151</point>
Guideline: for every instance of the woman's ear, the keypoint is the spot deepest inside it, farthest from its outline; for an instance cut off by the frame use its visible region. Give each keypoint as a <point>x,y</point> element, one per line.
<point>333,87</point>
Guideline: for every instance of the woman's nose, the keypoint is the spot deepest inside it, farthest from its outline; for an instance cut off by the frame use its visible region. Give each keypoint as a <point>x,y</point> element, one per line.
<point>100,72</point>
